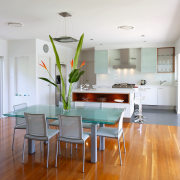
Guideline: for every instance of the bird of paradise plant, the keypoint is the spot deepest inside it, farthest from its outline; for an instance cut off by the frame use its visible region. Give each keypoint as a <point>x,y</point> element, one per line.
<point>74,75</point>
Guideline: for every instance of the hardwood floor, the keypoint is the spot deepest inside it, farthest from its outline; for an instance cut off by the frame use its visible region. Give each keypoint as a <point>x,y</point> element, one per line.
<point>153,152</point>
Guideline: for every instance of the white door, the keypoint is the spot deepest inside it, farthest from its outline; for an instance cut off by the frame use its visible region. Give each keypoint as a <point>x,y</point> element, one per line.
<point>43,94</point>
<point>1,86</point>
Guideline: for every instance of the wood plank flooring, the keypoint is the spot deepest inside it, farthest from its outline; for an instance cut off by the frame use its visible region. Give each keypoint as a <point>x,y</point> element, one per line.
<point>153,152</point>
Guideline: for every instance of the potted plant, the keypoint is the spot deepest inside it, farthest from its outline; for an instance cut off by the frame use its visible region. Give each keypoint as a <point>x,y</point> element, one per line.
<point>74,75</point>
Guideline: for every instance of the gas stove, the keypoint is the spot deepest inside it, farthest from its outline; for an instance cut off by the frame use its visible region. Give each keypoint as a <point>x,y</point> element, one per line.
<point>123,85</point>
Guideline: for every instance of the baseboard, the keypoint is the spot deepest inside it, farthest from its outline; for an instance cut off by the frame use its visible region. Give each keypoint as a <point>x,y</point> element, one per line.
<point>159,107</point>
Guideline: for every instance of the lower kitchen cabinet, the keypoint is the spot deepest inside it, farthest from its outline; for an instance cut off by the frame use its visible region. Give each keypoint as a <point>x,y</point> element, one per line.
<point>155,95</point>
<point>149,95</point>
<point>166,96</point>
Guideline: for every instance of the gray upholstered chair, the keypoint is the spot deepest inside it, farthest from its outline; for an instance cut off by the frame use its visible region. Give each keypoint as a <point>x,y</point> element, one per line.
<point>71,131</point>
<point>20,122</point>
<point>114,133</point>
<point>37,130</point>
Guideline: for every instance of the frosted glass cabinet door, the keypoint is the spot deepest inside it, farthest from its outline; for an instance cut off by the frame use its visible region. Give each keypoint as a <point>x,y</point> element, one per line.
<point>149,60</point>
<point>101,62</point>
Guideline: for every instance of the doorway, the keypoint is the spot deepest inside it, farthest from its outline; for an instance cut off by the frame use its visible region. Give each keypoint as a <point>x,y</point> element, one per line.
<point>1,86</point>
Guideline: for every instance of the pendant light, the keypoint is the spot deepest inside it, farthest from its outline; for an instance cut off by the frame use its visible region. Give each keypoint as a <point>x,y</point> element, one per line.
<point>65,39</point>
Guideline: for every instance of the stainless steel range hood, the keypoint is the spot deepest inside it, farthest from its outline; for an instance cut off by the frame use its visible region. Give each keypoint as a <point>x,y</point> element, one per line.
<point>124,60</point>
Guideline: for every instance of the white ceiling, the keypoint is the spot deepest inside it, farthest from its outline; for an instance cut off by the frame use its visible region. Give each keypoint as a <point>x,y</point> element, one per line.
<point>158,20</point>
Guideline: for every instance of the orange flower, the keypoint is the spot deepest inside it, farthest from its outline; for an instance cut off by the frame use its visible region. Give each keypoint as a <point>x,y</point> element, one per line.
<point>43,65</point>
<point>83,63</point>
<point>71,63</point>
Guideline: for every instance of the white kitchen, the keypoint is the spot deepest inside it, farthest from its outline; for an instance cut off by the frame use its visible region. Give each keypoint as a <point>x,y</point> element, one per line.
<point>112,66</point>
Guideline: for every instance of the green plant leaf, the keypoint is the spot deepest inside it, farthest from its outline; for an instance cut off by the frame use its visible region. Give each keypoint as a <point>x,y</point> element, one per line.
<point>75,75</point>
<point>78,50</point>
<point>47,80</point>
<point>63,93</point>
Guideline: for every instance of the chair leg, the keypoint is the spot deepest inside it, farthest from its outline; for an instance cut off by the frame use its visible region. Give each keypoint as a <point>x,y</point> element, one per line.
<point>24,144</point>
<point>41,146</point>
<point>119,152</point>
<point>71,149</point>
<point>57,152</point>
<point>47,154</point>
<point>124,142</point>
<point>83,155</point>
<point>13,139</point>
<point>59,147</point>
<point>76,146</point>
<point>66,145</point>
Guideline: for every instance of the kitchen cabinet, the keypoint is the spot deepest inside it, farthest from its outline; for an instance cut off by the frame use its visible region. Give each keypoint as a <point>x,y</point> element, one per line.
<point>149,95</point>
<point>159,95</point>
<point>166,95</point>
<point>101,62</point>
<point>166,60</point>
<point>149,60</point>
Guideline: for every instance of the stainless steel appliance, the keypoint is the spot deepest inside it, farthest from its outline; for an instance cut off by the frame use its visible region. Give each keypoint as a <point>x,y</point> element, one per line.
<point>123,85</point>
<point>58,97</point>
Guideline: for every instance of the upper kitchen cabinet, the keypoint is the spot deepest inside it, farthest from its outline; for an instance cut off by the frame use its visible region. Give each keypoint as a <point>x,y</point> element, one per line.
<point>149,60</point>
<point>101,62</point>
<point>165,61</point>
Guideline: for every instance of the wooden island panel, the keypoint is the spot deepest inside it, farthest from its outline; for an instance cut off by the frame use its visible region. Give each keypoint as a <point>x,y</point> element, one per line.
<point>99,97</point>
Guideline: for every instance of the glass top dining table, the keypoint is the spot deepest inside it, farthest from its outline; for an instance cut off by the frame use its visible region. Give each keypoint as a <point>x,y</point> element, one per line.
<point>91,115</point>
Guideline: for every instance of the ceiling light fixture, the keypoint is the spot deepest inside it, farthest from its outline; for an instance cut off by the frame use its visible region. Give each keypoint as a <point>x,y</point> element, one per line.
<point>15,24</point>
<point>142,35</point>
<point>126,27</point>
<point>91,39</point>
<point>65,39</point>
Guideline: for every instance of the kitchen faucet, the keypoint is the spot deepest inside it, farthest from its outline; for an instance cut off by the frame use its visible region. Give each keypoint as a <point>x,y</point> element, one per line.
<point>162,82</point>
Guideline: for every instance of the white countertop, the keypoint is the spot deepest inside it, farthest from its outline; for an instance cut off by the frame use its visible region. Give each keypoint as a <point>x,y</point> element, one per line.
<point>106,90</point>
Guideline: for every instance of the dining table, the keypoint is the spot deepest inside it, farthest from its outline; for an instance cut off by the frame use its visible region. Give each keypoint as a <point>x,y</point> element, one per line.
<point>93,115</point>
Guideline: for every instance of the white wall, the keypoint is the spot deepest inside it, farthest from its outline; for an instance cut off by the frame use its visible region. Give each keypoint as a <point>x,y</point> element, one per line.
<point>66,55</point>
<point>22,49</point>
<point>4,54</point>
<point>33,51</point>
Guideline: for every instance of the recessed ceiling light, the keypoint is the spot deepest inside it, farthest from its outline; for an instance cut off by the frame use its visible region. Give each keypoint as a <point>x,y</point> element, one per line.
<point>15,24</point>
<point>142,35</point>
<point>126,27</point>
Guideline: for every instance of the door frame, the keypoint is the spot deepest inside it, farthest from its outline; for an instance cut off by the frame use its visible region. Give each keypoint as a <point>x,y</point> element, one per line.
<point>1,84</point>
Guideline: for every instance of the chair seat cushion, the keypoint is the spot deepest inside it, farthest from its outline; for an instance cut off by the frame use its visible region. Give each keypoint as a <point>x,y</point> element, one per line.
<point>78,141</point>
<point>108,132</point>
<point>20,126</point>
<point>50,134</point>
<point>54,123</point>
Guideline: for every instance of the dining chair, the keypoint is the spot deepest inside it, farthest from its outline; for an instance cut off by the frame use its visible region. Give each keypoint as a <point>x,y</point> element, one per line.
<point>20,122</point>
<point>114,133</point>
<point>37,129</point>
<point>71,131</point>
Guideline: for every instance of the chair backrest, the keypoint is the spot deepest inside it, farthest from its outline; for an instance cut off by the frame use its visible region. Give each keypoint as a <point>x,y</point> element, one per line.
<point>70,127</point>
<point>20,121</point>
<point>120,125</point>
<point>36,124</point>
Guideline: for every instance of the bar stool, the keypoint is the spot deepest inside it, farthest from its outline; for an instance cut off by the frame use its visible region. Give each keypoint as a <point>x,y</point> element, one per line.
<point>139,97</point>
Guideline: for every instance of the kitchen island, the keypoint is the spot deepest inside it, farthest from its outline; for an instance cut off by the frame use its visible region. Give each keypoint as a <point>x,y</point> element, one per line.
<point>106,97</point>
